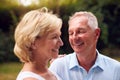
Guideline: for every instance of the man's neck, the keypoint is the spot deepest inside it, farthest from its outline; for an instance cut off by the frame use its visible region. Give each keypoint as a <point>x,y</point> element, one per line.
<point>87,61</point>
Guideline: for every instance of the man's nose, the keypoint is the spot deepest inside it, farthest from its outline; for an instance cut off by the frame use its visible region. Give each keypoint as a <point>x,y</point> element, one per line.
<point>75,36</point>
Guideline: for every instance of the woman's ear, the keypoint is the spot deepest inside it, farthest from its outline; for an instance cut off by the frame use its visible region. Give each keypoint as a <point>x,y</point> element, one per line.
<point>33,45</point>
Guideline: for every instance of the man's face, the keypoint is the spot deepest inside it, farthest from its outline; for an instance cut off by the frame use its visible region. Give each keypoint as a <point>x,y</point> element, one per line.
<point>81,37</point>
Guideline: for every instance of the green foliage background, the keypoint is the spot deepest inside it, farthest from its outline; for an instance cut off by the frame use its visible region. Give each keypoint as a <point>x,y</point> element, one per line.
<point>107,12</point>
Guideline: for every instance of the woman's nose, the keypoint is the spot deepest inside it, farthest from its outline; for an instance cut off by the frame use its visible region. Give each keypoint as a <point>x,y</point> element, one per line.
<point>61,42</point>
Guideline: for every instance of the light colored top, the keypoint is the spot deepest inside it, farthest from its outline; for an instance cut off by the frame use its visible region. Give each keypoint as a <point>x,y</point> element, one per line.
<point>105,68</point>
<point>26,74</point>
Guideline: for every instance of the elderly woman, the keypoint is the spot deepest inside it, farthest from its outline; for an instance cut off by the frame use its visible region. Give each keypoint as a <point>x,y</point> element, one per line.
<point>37,40</point>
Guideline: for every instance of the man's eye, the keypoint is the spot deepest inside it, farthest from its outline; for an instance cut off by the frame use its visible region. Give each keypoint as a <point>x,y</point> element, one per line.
<point>81,31</point>
<point>70,33</point>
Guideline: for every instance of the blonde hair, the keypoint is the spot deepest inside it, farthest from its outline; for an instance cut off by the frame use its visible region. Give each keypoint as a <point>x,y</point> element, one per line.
<point>92,20</point>
<point>33,24</point>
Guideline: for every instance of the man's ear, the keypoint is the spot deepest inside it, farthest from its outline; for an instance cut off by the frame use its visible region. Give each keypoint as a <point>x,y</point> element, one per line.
<point>97,33</point>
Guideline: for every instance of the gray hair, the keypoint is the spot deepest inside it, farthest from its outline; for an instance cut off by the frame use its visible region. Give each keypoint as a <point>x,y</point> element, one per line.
<point>92,20</point>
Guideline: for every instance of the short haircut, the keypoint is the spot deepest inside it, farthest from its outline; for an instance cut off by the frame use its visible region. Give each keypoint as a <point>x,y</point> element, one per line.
<point>92,20</point>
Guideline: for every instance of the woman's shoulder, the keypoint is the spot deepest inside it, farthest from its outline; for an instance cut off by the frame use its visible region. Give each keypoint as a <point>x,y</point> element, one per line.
<point>27,74</point>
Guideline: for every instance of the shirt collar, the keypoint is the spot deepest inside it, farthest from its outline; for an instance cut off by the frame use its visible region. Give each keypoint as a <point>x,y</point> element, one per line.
<point>73,61</point>
<point>98,63</point>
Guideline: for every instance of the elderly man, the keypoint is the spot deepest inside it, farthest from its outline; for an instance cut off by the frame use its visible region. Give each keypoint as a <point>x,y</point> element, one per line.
<point>85,63</point>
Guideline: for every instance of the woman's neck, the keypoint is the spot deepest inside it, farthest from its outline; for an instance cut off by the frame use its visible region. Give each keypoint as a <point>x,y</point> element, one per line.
<point>37,67</point>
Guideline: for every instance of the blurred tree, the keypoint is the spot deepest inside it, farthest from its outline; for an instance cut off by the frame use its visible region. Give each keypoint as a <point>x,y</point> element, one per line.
<point>112,18</point>
<point>107,12</point>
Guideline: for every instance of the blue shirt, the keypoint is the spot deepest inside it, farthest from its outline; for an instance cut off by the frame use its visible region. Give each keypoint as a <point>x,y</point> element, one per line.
<point>68,68</point>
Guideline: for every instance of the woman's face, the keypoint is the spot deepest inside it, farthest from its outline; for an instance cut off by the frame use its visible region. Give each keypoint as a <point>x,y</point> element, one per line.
<point>49,44</point>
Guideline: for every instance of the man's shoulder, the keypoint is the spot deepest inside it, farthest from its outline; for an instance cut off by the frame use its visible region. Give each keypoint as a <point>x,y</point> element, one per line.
<point>109,60</point>
<point>65,58</point>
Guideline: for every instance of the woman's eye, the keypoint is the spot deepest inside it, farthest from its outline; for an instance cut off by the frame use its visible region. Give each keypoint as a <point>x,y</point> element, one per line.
<point>54,37</point>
